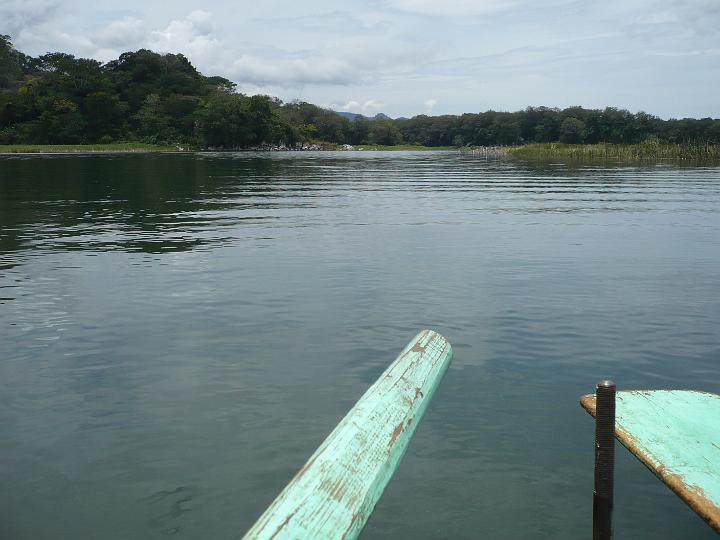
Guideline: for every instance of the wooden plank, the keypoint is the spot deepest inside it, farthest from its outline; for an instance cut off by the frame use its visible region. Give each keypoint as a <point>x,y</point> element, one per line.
<point>676,434</point>
<point>334,493</point>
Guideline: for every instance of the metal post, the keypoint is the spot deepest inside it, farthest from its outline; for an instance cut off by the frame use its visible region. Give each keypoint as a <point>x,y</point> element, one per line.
<point>604,460</point>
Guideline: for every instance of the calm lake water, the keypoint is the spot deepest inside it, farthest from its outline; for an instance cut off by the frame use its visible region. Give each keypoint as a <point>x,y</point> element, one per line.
<point>178,333</point>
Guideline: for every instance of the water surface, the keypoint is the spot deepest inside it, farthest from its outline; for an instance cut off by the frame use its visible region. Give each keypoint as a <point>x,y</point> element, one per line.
<point>179,332</point>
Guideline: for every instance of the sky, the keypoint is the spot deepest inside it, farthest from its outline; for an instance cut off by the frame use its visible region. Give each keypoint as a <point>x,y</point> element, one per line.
<point>409,57</point>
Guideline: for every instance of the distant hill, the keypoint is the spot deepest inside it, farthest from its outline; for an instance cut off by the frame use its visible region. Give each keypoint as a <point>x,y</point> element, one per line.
<point>354,116</point>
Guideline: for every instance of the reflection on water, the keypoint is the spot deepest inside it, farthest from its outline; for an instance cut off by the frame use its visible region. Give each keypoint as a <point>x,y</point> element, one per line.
<point>179,332</point>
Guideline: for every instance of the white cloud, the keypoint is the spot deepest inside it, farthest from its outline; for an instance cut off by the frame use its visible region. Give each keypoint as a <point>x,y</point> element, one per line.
<point>350,105</point>
<point>201,22</point>
<point>73,42</point>
<point>122,34</point>
<point>468,55</point>
<point>19,15</point>
<point>197,23</point>
<point>192,36</point>
<point>292,71</point>
<point>372,105</point>
<point>368,107</point>
<point>701,16</point>
<point>452,7</point>
<point>371,19</point>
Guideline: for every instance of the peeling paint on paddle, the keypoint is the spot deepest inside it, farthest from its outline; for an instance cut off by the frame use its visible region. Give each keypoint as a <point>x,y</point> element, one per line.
<point>334,493</point>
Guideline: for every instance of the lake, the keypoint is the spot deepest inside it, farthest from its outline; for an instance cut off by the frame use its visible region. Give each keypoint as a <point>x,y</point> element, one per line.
<point>178,333</point>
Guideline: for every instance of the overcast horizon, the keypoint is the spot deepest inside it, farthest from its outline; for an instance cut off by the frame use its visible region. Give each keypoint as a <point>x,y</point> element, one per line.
<point>409,57</point>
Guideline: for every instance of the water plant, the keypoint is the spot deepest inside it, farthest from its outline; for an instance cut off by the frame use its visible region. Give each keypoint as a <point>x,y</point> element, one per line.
<point>649,150</point>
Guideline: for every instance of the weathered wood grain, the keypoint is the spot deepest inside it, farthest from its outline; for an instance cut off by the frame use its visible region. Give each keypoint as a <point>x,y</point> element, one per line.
<point>334,493</point>
<point>676,434</point>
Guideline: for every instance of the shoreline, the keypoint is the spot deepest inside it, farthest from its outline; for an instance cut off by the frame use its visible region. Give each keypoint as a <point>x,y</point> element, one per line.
<point>647,152</point>
<point>45,150</point>
<point>111,148</point>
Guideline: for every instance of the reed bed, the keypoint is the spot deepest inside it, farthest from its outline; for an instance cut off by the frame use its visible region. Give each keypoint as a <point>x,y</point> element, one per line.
<point>646,151</point>
<point>83,148</point>
<point>489,151</point>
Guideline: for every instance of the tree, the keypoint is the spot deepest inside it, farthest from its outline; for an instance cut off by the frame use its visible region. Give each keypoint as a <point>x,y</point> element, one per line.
<point>70,76</point>
<point>572,131</point>
<point>224,123</point>
<point>507,130</point>
<point>384,132</point>
<point>10,67</point>
<point>104,114</point>
<point>144,95</point>
<point>152,120</point>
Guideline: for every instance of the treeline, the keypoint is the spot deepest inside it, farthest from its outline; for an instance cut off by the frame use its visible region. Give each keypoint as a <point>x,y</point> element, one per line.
<point>574,125</point>
<point>156,98</point>
<point>142,96</point>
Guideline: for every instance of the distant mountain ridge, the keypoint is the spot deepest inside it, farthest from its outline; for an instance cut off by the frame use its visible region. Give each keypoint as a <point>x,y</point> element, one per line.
<point>354,116</point>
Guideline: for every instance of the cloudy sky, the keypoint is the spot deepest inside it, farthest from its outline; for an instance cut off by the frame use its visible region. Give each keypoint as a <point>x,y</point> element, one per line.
<point>407,57</point>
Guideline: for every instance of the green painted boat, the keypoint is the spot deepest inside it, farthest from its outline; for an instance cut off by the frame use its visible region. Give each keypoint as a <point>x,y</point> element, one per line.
<point>334,493</point>
<point>676,434</point>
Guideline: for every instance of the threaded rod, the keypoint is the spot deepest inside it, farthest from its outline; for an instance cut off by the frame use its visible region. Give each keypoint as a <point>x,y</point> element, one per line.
<point>604,460</point>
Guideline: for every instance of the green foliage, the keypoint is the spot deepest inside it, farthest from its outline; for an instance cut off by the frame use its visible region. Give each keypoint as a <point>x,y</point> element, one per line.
<point>162,99</point>
<point>151,121</point>
<point>77,148</point>
<point>105,113</point>
<point>10,63</point>
<point>573,125</point>
<point>236,121</point>
<point>572,131</point>
<point>384,132</point>
<point>313,122</point>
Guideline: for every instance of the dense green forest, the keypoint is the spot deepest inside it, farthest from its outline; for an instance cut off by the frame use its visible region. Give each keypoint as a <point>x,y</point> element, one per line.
<point>156,98</point>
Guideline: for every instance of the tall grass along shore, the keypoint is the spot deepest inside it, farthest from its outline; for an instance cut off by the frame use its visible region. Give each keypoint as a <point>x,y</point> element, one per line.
<point>85,148</point>
<point>645,151</point>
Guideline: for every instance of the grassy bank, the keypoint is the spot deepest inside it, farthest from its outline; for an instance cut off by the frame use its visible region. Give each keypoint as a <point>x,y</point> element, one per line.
<point>647,151</point>
<point>83,148</point>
